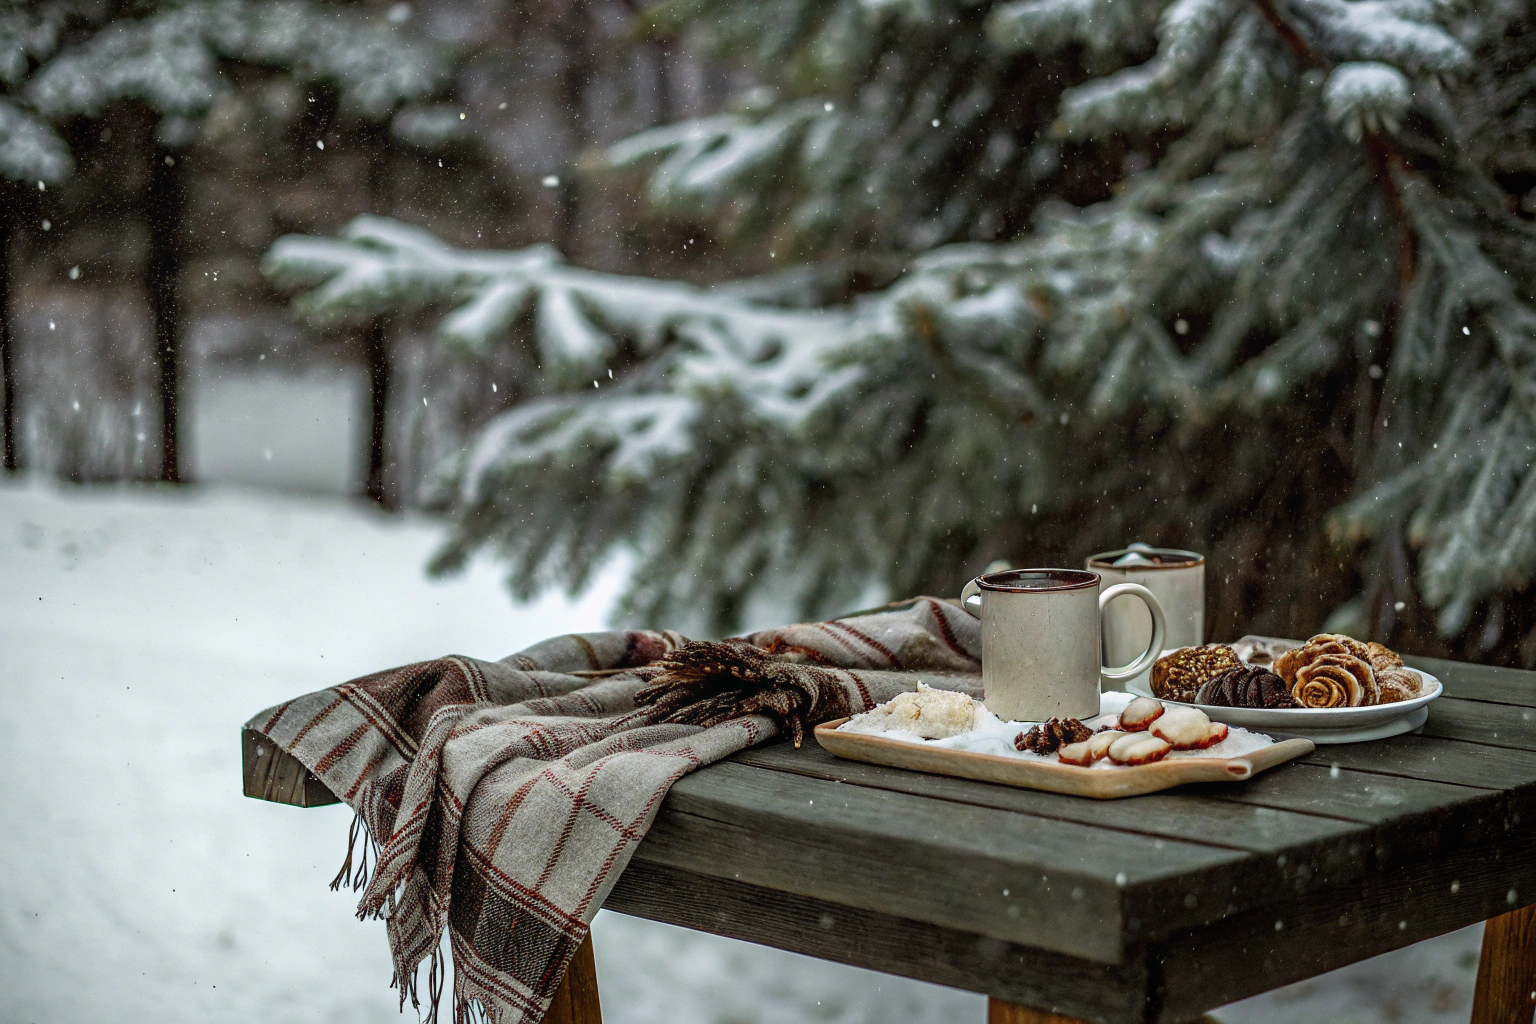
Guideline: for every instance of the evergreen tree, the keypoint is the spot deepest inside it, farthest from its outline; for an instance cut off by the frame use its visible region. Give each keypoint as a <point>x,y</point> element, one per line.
<point>65,63</point>
<point>1242,275</point>
<point>30,153</point>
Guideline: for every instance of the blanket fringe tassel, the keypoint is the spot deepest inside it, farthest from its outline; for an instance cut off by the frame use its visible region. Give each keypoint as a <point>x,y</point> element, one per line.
<point>471,1011</point>
<point>437,977</point>
<point>356,877</point>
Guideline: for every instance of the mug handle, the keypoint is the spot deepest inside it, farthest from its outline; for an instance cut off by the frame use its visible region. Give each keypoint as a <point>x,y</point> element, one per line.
<point>1159,628</point>
<point>973,591</point>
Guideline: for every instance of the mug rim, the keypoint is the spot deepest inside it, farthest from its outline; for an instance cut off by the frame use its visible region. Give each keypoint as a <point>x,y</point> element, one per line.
<point>1062,579</point>
<point>1103,559</point>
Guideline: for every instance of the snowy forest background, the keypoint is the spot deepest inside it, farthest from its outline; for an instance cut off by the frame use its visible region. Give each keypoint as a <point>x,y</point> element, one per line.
<point>714,313</point>
<point>805,305</point>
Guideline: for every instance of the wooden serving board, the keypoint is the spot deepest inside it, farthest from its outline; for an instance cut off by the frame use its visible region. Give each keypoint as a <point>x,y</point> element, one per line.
<point>1053,776</point>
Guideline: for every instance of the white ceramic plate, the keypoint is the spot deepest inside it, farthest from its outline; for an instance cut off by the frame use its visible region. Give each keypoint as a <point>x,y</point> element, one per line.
<point>1330,725</point>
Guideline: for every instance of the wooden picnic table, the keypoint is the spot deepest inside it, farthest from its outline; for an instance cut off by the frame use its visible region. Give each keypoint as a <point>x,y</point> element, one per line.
<point>1149,909</point>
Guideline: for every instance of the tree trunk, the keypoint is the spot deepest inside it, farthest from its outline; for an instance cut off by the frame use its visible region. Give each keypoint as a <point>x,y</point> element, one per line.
<point>574,75</point>
<point>376,359</point>
<point>164,205</point>
<point>7,353</point>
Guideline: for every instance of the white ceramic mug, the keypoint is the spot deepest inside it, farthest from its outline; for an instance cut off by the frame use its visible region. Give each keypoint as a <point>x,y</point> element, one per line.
<point>1176,578</point>
<point>1040,641</point>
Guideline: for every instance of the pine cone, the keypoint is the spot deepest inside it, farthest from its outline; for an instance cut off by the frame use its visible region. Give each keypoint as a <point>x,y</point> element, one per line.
<point>1249,686</point>
<point>1179,676</point>
<point>1051,735</point>
<point>705,682</point>
<point>1335,681</point>
<point>1291,662</point>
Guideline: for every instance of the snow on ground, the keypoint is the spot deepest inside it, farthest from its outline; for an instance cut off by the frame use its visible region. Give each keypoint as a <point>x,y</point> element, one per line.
<point>140,627</point>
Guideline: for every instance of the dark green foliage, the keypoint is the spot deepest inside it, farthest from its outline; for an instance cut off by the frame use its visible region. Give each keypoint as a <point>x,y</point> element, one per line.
<point>1293,329</point>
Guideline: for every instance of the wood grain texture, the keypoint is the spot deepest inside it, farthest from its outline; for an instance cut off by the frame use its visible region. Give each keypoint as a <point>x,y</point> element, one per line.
<point>1054,777</point>
<point>1171,815</point>
<point>1315,815</point>
<point>1506,974</point>
<point>1434,759</point>
<point>1493,725</point>
<point>1101,993</point>
<point>1299,850</point>
<point>576,999</point>
<point>1060,885</point>
<point>276,775</point>
<point>1480,682</point>
<point>1320,931</point>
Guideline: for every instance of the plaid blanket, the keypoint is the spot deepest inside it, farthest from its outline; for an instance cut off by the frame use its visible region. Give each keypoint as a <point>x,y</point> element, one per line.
<point>503,799</point>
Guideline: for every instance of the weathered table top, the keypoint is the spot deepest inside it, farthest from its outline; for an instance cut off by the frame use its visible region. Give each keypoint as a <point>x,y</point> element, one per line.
<point>1153,908</point>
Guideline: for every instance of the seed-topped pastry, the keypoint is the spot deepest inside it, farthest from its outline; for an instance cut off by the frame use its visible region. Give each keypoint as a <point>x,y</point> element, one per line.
<point>1247,686</point>
<point>1179,675</point>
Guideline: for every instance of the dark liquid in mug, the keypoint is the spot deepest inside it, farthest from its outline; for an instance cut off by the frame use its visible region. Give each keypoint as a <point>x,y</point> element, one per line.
<point>1039,579</point>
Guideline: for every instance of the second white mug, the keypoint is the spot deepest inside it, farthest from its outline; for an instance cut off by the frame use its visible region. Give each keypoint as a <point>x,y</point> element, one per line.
<point>1176,577</point>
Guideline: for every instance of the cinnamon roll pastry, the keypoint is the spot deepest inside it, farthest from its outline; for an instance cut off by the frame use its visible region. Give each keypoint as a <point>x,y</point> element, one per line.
<point>1335,681</point>
<point>1382,658</point>
<point>1291,662</point>
<point>1398,683</point>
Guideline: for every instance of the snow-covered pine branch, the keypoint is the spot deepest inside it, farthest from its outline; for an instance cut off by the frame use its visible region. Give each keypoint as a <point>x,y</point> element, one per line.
<point>29,149</point>
<point>887,127</point>
<point>1217,350</point>
<point>1367,96</point>
<point>170,59</point>
<point>581,320</point>
<point>1040,26</point>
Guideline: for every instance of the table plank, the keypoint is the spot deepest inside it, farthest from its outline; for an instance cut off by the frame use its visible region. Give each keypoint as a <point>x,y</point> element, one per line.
<point>1480,682</point>
<point>276,775</point>
<point>1494,725</point>
<point>1298,850</point>
<point>1316,826</point>
<point>1322,931</point>
<point>1070,888</point>
<point>1191,970</point>
<point>1434,760</point>
<point>1409,818</point>
<point>1115,994</point>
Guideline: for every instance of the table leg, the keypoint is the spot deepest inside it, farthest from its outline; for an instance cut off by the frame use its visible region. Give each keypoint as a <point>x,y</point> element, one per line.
<point>999,1012</point>
<point>1506,976</point>
<point>576,998</point>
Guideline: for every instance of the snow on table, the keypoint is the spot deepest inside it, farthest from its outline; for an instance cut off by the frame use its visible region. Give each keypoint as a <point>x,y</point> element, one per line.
<point>991,735</point>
